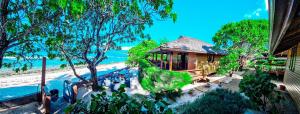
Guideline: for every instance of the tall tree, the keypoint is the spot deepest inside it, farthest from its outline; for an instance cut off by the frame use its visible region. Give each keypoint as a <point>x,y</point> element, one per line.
<point>243,40</point>
<point>21,28</point>
<point>104,25</point>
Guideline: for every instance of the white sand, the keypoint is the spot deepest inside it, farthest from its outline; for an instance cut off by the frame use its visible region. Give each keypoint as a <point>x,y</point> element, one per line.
<point>35,78</point>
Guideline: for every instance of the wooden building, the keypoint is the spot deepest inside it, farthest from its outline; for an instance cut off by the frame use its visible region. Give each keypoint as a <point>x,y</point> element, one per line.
<point>187,54</point>
<point>285,35</point>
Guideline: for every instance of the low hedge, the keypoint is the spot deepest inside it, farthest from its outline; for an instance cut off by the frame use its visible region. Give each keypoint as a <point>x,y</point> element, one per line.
<point>219,101</point>
<point>156,80</point>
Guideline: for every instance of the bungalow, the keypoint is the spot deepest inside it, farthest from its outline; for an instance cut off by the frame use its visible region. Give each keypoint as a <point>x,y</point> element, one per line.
<point>187,54</point>
<point>285,35</point>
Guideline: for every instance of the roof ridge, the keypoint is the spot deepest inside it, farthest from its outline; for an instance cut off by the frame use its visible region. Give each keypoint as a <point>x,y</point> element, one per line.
<point>187,37</point>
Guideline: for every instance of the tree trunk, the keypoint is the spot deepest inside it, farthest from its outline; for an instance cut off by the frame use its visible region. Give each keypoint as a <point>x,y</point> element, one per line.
<point>1,58</point>
<point>3,39</point>
<point>241,63</point>
<point>93,71</point>
<point>3,47</point>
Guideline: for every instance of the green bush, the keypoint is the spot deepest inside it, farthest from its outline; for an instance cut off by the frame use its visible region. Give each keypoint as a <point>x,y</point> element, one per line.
<point>151,77</point>
<point>138,54</point>
<point>119,103</point>
<point>228,63</point>
<point>260,90</point>
<point>156,80</point>
<point>219,101</point>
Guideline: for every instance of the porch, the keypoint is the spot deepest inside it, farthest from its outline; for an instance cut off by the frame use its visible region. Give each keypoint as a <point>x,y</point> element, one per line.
<point>173,61</point>
<point>198,65</point>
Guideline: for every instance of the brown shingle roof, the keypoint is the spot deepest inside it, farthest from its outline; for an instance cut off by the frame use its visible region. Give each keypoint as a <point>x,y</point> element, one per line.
<point>187,44</point>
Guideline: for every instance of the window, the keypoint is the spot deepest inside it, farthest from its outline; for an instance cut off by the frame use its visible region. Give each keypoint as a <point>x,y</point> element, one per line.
<point>210,58</point>
<point>293,58</point>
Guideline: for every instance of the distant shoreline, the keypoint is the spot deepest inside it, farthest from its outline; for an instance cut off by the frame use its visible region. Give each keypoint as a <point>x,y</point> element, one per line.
<point>50,70</point>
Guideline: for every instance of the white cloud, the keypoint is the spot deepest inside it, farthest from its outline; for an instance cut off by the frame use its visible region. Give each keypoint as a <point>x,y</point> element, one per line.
<point>255,13</point>
<point>126,47</point>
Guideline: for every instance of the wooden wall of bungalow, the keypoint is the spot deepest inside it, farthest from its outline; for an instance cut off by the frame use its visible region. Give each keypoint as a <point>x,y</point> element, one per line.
<point>198,64</point>
<point>201,65</point>
<point>292,74</point>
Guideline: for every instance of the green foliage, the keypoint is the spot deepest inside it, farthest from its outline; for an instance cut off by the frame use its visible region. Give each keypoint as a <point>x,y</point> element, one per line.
<point>228,63</point>
<point>260,90</point>
<point>151,77</point>
<point>88,29</point>
<point>25,28</point>
<point>219,101</point>
<point>119,103</point>
<point>138,53</point>
<point>270,63</point>
<point>156,80</point>
<point>247,38</point>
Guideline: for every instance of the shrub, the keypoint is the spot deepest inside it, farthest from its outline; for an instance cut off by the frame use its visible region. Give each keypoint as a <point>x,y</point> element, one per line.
<point>219,101</point>
<point>260,90</point>
<point>138,54</point>
<point>228,63</point>
<point>151,77</point>
<point>119,103</point>
<point>156,80</point>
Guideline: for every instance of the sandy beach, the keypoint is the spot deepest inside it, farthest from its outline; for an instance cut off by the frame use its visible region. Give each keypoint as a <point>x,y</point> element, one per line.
<point>35,77</point>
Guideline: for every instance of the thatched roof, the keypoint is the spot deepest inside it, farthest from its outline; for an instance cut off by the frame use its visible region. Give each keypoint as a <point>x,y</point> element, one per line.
<point>187,44</point>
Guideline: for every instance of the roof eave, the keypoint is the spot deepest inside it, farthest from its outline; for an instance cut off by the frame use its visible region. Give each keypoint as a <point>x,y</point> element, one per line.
<point>282,23</point>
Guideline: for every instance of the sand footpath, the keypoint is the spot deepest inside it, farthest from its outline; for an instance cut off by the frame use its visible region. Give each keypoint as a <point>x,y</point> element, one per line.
<point>35,78</point>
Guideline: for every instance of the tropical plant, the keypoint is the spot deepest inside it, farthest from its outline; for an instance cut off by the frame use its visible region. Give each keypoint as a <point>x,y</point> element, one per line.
<point>103,25</point>
<point>151,77</point>
<point>219,101</point>
<point>260,90</point>
<point>245,39</point>
<point>138,53</point>
<point>157,80</point>
<point>119,103</point>
<point>269,63</point>
<point>228,63</point>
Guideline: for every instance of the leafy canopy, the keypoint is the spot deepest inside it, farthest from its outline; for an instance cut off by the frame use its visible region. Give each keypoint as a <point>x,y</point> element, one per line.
<point>139,52</point>
<point>247,38</point>
<point>24,23</point>
<point>92,28</point>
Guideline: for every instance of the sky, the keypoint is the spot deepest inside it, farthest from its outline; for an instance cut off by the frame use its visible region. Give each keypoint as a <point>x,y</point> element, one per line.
<point>201,19</point>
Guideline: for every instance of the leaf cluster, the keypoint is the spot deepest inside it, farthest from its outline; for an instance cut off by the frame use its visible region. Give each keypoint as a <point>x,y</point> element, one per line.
<point>246,38</point>
<point>219,101</point>
<point>119,103</point>
<point>260,90</point>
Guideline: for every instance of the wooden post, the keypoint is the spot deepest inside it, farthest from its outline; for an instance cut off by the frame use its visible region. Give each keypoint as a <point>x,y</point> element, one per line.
<point>171,61</point>
<point>161,60</point>
<point>152,57</point>
<point>155,56</point>
<point>166,61</point>
<point>45,99</point>
<point>43,79</point>
<point>43,73</point>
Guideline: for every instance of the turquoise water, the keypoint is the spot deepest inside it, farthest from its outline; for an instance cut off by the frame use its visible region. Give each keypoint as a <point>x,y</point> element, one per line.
<point>113,57</point>
<point>14,92</point>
